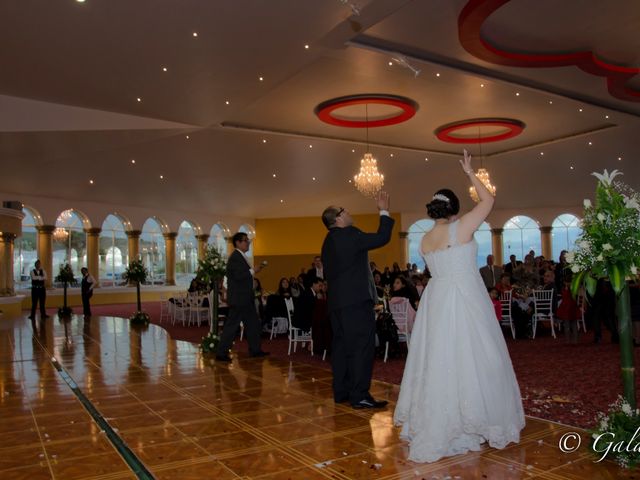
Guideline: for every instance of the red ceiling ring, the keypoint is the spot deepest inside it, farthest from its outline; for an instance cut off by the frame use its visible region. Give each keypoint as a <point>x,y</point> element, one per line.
<point>514,128</point>
<point>408,109</point>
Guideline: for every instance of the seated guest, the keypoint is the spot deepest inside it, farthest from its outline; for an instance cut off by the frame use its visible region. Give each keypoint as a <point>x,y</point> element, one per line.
<point>495,299</point>
<point>549,283</point>
<point>377,280</point>
<point>386,277</point>
<point>526,274</point>
<point>280,304</point>
<point>294,287</point>
<point>417,284</point>
<point>402,289</point>
<point>512,265</point>
<point>505,283</point>
<point>304,305</point>
<point>316,270</point>
<point>320,324</point>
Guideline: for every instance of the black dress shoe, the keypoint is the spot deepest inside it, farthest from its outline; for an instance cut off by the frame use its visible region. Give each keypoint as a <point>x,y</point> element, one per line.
<point>369,403</point>
<point>223,358</point>
<point>260,354</point>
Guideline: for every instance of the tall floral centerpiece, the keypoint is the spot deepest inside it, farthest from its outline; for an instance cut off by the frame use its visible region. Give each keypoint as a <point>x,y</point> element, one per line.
<point>609,247</point>
<point>211,270</point>
<point>65,276</point>
<point>137,273</point>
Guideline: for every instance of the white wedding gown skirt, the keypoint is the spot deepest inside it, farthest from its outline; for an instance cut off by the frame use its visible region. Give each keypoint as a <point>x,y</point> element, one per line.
<point>458,389</point>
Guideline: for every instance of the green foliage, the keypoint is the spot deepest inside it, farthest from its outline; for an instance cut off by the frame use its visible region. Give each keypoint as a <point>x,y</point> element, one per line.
<point>209,344</point>
<point>609,246</point>
<point>140,318</point>
<point>66,274</point>
<point>615,436</point>
<point>136,272</point>
<point>212,267</point>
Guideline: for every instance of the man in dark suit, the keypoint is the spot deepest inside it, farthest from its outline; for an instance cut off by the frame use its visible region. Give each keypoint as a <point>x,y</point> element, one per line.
<point>241,301</point>
<point>316,271</point>
<point>490,273</point>
<point>512,266</point>
<point>351,299</point>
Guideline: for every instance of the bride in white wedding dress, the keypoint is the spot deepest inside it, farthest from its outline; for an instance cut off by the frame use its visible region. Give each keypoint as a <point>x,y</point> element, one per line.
<point>458,389</point>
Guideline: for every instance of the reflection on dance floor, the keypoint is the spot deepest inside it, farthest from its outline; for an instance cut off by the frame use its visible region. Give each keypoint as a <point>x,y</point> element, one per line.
<point>184,416</point>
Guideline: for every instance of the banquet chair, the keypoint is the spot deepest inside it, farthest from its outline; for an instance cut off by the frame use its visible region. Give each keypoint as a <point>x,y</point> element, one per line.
<point>581,309</point>
<point>297,335</point>
<point>180,308</point>
<point>197,309</point>
<point>507,320</point>
<point>543,310</point>
<point>165,307</point>
<point>400,313</point>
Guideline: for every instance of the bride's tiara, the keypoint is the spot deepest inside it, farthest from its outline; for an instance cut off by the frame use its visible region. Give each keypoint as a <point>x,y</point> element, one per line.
<point>443,198</point>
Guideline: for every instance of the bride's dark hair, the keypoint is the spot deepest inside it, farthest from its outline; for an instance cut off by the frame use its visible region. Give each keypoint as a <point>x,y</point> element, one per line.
<point>444,204</point>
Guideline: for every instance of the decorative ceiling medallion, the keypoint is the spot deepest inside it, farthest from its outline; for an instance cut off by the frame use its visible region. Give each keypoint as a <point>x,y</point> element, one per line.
<point>407,109</point>
<point>476,12</point>
<point>502,129</point>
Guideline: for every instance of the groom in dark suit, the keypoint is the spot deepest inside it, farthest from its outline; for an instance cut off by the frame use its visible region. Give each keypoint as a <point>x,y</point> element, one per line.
<point>351,294</point>
<point>241,301</point>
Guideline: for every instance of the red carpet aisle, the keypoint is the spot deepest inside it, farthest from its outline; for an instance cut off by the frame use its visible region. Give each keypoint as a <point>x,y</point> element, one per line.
<point>566,384</point>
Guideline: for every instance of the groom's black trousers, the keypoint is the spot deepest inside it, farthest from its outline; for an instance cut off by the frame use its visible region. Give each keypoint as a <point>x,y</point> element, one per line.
<point>353,350</point>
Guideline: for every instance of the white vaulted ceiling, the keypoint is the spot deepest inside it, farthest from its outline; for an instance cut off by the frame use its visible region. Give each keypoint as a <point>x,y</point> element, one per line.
<point>72,74</point>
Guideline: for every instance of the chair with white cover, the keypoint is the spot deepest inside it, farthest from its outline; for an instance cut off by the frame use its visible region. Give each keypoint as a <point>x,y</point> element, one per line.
<point>297,335</point>
<point>180,309</point>
<point>543,309</point>
<point>581,301</point>
<point>197,310</point>
<point>507,320</point>
<point>399,309</point>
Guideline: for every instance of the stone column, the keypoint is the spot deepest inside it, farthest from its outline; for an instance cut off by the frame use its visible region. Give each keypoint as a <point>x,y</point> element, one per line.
<point>6,264</point>
<point>404,248</point>
<point>133,237</point>
<point>202,245</point>
<point>547,243</point>
<point>93,258</point>
<point>496,245</point>
<point>230,246</point>
<point>45,251</point>
<point>170,257</point>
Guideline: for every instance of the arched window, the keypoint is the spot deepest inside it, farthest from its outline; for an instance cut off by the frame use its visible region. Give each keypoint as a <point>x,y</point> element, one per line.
<point>251,233</point>
<point>416,231</point>
<point>113,251</point>
<point>69,243</point>
<point>521,234</point>
<point>564,232</point>
<point>186,254</point>
<point>218,238</point>
<point>25,252</point>
<point>483,239</point>
<point>152,251</point>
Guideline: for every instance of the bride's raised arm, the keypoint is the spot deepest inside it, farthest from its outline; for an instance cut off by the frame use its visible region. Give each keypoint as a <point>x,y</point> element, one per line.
<point>470,221</point>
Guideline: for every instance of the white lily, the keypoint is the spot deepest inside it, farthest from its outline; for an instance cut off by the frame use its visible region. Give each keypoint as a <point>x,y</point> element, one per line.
<point>606,178</point>
<point>607,246</point>
<point>575,268</point>
<point>634,269</point>
<point>587,203</point>
<point>631,203</point>
<point>570,256</point>
<point>600,258</point>
<point>601,217</point>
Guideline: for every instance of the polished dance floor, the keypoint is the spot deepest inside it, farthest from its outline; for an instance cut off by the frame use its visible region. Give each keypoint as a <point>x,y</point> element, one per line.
<point>101,400</point>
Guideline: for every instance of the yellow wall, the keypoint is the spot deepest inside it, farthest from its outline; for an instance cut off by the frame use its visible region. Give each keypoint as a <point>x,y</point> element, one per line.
<point>289,245</point>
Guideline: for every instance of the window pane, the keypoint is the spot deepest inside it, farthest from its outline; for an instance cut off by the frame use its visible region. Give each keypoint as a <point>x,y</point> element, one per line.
<point>416,231</point>
<point>112,252</point>
<point>152,251</point>
<point>483,239</point>
<point>25,251</point>
<point>69,244</point>
<point>217,238</point>
<point>521,234</point>
<point>565,230</point>
<point>186,254</point>
<point>248,229</point>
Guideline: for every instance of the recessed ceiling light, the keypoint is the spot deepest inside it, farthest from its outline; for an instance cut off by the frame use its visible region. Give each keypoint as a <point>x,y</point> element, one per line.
<point>306,47</point>
<point>571,167</point>
<point>281,201</point>
<point>161,177</point>
<point>139,99</point>
<point>133,161</point>
<point>437,74</point>
<point>482,85</point>
<point>264,140</point>
<point>80,1</point>
<point>91,182</point>
<point>550,102</point>
<point>349,181</point>
<point>187,137</point>
<point>606,116</point>
<point>390,63</point>
<point>195,34</point>
<point>579,109</point>
<point>391,154</point>
<point>310,146</point>
<point>517,94</point>
<point>353,150</point>
<point>274,175</point>
<point>426,159</point>
<point>260,78</point>
<point>541,153</point>
<point>226,102</point>
<point>313,178</point>
<point>164,69</point>
<point>619,158</point>
<point>590,143</point>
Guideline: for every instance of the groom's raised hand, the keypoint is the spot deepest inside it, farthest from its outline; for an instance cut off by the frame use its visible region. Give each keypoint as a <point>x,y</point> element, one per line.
<point>382,200</point>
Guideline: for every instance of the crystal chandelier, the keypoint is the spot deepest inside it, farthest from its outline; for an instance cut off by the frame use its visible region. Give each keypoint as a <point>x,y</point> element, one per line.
<point>369,180</point>
<point>483,176</point>
<point>60,234</point>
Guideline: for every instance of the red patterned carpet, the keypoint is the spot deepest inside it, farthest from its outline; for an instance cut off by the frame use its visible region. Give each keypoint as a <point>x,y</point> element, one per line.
<point>564,383</point>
